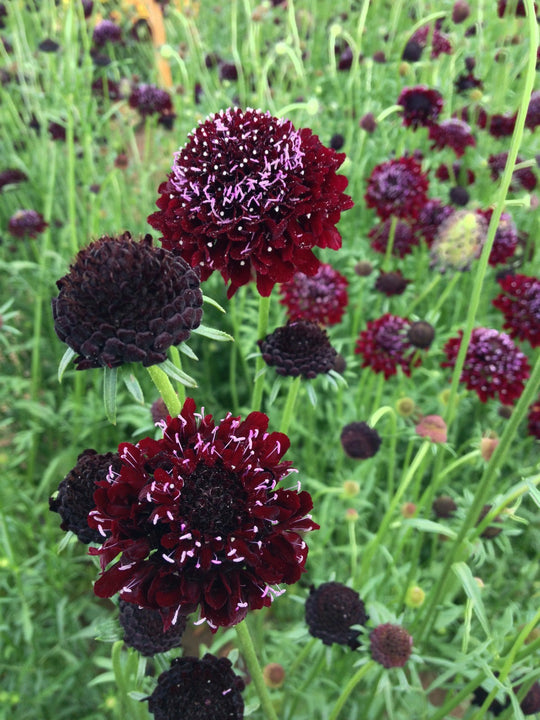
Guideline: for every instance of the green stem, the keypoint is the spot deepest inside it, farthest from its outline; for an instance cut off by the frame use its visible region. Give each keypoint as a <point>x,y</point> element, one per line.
<point>165,389</point>
<point>289,405</point>
<point>262,327</point>
<point>177,362</point>
<point>349,687</point>
<point>248,652</point>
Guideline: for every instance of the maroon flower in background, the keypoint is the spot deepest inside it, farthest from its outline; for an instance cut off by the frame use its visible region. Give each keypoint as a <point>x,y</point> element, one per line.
<point>501,125</point>
<point>506,237</point>
<point>524,177</point>
<point>464,177</point>
<point>493,367</point>
<point>331,611</point>
<point>421,106</point>
<point>453,133</point>
<point>301,347</point>
<point>533,419</point>
<point>519,8</point>
<point>126,301</point>
<point>397,187</point>
<point>360,441</point>
<point>391,283</point>
<point>193,689</point>
<point>106,31</point>
<point>391,645</point>
<point>430,218</point>
<point>440,43</point>
<point>150,100</point>
<point>199,522</point>
<point>405,238</point>
<point>250,196</point>
<point>11,176</point>
<point>384,345</point>
<point>532,119</point>
<point>320,298</point>
<point>26,223</point>
<point>520,304</point>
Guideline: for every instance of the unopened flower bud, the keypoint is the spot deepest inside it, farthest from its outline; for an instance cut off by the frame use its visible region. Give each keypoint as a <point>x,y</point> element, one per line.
<point>415,597</point>
<point>350,488</point>
<point>274,675</point>
<point>488,445</point>
<point>408,510</point>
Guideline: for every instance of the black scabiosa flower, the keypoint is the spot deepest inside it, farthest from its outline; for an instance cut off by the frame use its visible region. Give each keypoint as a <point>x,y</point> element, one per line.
<point>301,347</point>
<point>421,334</point>
<point>493,367</point>
<point>384,345</point>
<point>320,298</point>
<point>506,237</point>
<point>501,124</point>
<point>421,106</point>
<point>150,100</point>
<point>391,283</point>
<point>391,645</point>
<point>520,304</point>
<point>11,176</point>
<point>532,119</point>
<point>193,689</point>
<point>453,133</point>
<point>522,178</point>
<point>106,31</point>
<point>397,188</point>
<point>26,223</point>
<point>143,629</point>
<point>360,441</point>
<point>250,196</point>
<point>126,301</point>
<point>405,238</point>
<point>75,497</point>
<point>430,218</point>
<point>198,520</point>
<point>444,506</point>
<point>533,419</point>
<point>331,611</point>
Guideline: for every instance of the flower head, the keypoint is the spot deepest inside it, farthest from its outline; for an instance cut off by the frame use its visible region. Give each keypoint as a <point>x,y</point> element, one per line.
<point>250,196</point>
<point>75,498</point>
<point>421,334</point>
<point>532,119</point>
<point>506,237</point>
<point>520,304</point>
<point>153,302</point>
<point>301,347</point>
<point>452,133</point>
<point>431,216</point>
<point>533,419</point>
<point>384,345</point>
<point>405,238</point>
<point>360,441</point>
<point>444,506</point>
<point>150,100</point>
<point>391,283</point>
<point>143,629</point>
<point>321,298</point>
<point>331,611</point>
<point>106,31</point>
<point>522,178</point>
<point>493,365</point>
<point>397,187</point>
<point>198,690</point>
<point>26,223</point>
<point>432,427</point>
<point>501,124</point>
<point>11,176</point>
<point>391,645</point>
<point>421,106</point>
<point>198,521</point>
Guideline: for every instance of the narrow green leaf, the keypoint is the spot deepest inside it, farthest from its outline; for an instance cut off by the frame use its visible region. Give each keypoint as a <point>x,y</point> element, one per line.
<point>534,493</point>
<point>213,334</point>
<point>173,372</point>
<point>110,377</point>
<point>312,395</point>
<point>187,351</point>
<point>472,590</point>
<point>213,302</point>
<point>431,527</point>
<point>64,362</point>
<point>134,388</point>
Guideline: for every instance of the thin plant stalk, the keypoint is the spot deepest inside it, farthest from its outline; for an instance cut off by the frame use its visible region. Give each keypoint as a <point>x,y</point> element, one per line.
<point>250,656</point>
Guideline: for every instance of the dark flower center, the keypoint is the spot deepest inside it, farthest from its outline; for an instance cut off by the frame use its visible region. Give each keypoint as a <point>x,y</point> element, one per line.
<point>213,500</point>
<point>418,102</point>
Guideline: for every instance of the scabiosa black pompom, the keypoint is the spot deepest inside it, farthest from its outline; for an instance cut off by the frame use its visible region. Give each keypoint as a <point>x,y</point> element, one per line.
<point>331,611</point>
<point>359,441</point>
<point>298,348</point>
<point>11,176</point>
<point>391,645</point>
<point>391,283</point>
<point>421,334</point>
<point>143,629</point>
<point>126,301</point>
<point>75,498</point>
<point>195,689</point>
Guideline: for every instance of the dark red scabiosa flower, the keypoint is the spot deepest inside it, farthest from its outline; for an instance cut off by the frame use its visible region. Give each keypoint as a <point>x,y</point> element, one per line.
<point>440,43</point>
<point>321,298</point>
<point>193,689</point>
<point>250,196</point>
<point>331,611</point>
<point>460,11</point>
<point>452,133</point>
<point>337,141</point>
<point>126,301</point>
<point>26,223</point>
<point>228,71</point>
<point>421,106</point>
<point>412,52</point>
<point>533,419</point>
<point>501,125</point>
<point>391,645</point>
<point>106,87</point>
<point>432,214</point>
<point>465,176</point>
<point>391,283</point>
<point>360,441</point>
<point>75,498</point>
<point>368,122</point>
<point>88,6</point>
<point>143,629</point>
<point>522,178</point>
<point>459,196</point>
<point>493,365</point>
<point>405,238</point>
<point>198,521</point>
<point>11,176</point>
<point>397,188</point>
<point>532,119</point>
<point>301,347</point>
<point>531,702</point>
<point>150,100</point>
<point>384,346</point>
<point>506,237</point>
<point>467,81</point>
<point>106,31</point>
<point>519,8</point>
<point>520,304</point>
<point>48,45</point>
<point>444,506</point>
<point>421,334</point>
